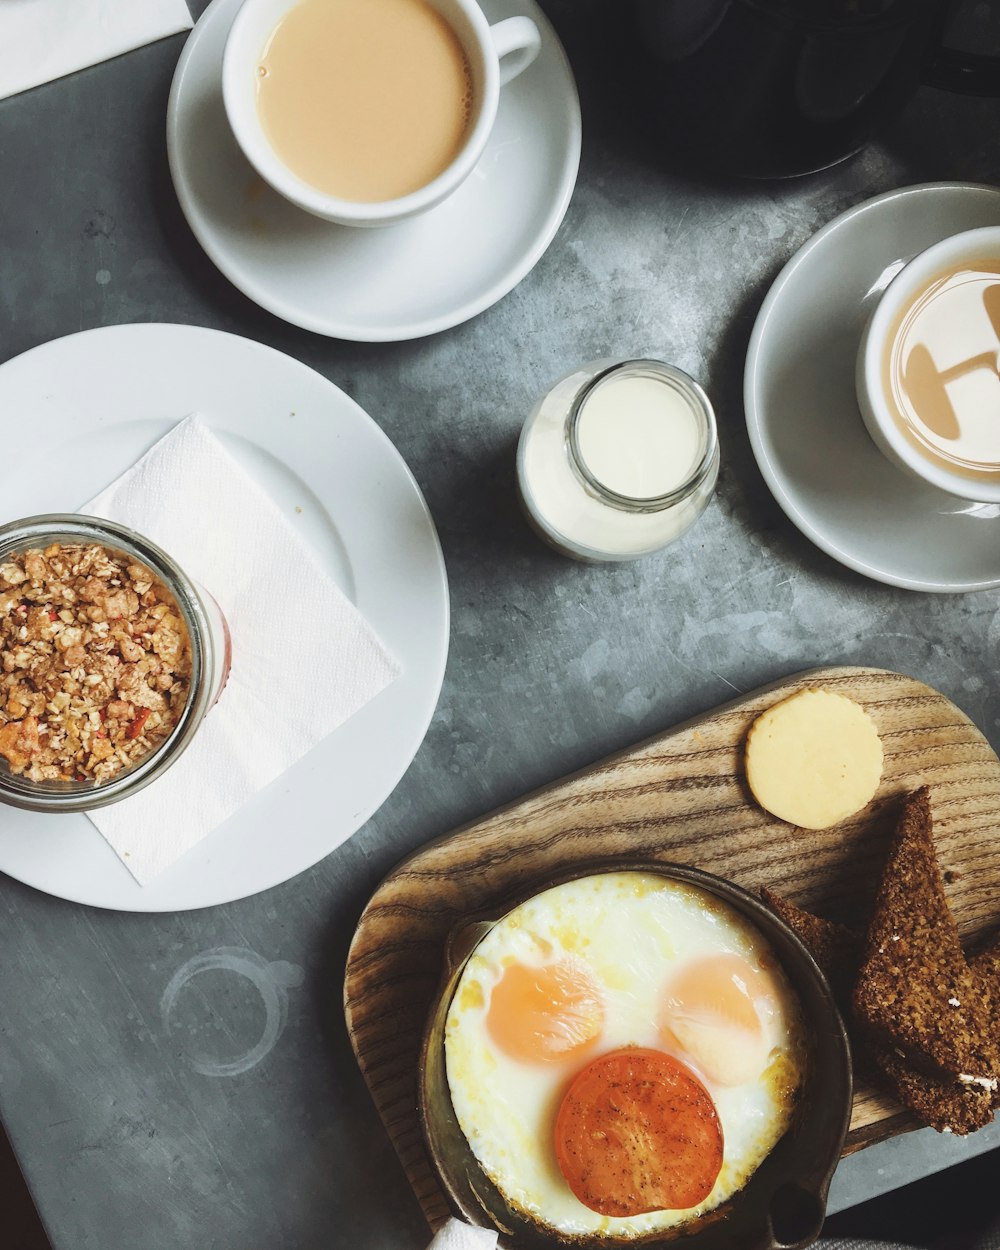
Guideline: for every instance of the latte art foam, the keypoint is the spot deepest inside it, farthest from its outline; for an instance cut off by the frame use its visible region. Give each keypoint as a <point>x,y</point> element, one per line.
<point>942,369</point>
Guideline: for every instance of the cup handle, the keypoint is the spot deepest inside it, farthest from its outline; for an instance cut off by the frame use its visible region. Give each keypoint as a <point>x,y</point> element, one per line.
<point>517,42</point>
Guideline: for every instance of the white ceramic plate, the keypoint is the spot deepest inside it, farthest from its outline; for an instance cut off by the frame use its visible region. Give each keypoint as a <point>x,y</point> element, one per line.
<point>399,282</point>
<point>79,411</point>
<point>802,414</point>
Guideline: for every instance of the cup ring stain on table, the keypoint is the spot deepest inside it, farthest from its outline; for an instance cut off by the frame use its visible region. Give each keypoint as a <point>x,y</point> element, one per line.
<point>271,980</point>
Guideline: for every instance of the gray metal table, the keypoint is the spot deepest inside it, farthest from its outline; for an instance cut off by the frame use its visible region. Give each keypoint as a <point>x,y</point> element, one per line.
<point>125,1144</point>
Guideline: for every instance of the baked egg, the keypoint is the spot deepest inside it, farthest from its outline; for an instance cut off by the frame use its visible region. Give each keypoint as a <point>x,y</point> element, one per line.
<point>622,1052</point>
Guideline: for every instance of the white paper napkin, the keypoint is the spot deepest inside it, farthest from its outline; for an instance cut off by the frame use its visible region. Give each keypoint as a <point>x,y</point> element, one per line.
<point>44,39</point>
<point>458,1236</point>
<point>304,658</point>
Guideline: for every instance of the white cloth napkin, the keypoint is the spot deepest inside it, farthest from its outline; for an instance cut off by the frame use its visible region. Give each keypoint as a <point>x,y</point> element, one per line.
<point>304,658</point>
<point>458,1236</point>
<point>44,39</point>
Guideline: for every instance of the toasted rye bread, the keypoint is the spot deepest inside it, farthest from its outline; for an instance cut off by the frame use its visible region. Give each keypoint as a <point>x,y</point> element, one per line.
<point>986,965</point>
<point>915,992</point>
<point>835,948</point>
<point>939,1101</point>
<point>942,1102</point>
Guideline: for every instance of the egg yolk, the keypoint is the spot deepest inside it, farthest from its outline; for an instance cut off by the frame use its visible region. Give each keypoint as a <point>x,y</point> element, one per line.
<point>713,1012</point>
<point>545,1014</point>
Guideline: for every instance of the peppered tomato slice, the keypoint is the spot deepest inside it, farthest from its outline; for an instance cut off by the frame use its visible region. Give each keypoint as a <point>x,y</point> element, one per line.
<point>637,1131</point>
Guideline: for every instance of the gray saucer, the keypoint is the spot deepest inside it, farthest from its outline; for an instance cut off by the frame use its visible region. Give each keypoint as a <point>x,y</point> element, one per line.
<point>802,414</point>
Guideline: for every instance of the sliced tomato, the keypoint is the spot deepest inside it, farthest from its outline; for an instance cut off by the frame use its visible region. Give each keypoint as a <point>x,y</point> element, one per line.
<point>637,1131</point>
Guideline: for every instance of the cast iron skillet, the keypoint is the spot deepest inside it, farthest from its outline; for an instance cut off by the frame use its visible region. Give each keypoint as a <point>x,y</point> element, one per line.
<point>784,1202</point>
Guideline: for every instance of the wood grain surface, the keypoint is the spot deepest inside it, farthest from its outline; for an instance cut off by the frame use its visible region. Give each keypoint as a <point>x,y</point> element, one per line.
<point>679,797</point>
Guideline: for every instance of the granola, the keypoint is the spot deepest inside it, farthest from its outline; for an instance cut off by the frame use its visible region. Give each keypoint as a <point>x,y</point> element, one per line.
<point>95,663</point>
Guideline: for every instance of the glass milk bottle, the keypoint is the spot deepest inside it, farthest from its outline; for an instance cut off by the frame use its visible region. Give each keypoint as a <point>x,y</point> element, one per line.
<point>618,459</point>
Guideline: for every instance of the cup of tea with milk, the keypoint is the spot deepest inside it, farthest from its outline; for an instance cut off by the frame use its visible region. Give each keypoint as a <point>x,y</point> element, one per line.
<point>928,370</point>
<point>366,112</point>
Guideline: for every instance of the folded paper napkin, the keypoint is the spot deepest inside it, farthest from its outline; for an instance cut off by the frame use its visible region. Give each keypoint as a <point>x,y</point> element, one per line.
<point>458,1236</point>
<point>288,688</point>
<point>44,39</point>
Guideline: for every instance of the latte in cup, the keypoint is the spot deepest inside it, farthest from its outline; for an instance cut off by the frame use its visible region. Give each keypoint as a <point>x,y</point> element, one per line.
<point>365,100</point>
<point>940,368</point>
<point>368,112</point>
<point>928,371</point>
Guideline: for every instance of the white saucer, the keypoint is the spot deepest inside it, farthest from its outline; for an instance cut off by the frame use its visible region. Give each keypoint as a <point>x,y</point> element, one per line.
<point>90,405</point>
<point>399,282</point>
<point>803,418</point>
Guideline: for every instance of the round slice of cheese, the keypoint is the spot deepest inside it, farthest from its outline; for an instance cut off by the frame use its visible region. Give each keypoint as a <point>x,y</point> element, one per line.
<point>814,759</point>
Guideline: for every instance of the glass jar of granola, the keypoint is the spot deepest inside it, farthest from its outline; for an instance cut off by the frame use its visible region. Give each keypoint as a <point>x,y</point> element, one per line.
<point>110,658</point>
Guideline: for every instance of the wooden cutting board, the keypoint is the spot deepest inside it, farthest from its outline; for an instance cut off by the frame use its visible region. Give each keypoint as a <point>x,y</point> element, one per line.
<point>679,797</point>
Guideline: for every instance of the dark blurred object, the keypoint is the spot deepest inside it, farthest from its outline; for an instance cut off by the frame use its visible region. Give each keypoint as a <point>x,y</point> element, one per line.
<point>950,1210</point>
<point>20,1227</point>
<point>775,88</point>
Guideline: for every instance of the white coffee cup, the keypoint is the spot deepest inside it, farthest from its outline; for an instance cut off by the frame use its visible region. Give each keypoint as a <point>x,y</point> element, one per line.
<point>495,55</point>
<point>877,410</point>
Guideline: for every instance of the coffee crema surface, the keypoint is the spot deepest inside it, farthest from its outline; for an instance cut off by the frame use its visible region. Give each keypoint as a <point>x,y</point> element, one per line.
<point>941,370</point>
<point>365,100</point>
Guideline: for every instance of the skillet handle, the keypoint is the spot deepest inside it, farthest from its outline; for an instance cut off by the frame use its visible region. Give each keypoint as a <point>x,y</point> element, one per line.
<point>795,1216</point>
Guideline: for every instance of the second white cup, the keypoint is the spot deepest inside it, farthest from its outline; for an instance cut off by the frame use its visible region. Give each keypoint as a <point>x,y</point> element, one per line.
<point>494,54</point>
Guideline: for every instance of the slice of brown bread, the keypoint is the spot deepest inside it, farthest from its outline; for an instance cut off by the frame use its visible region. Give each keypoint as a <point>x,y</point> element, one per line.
<point>835,948</point>
<point>986,965</point>
<point>945,1103</point>
<point>915,992</point>
<point>942,1102</point>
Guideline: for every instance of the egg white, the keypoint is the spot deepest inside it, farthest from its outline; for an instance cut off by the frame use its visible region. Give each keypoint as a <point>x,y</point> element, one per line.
<point>630,929</point>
